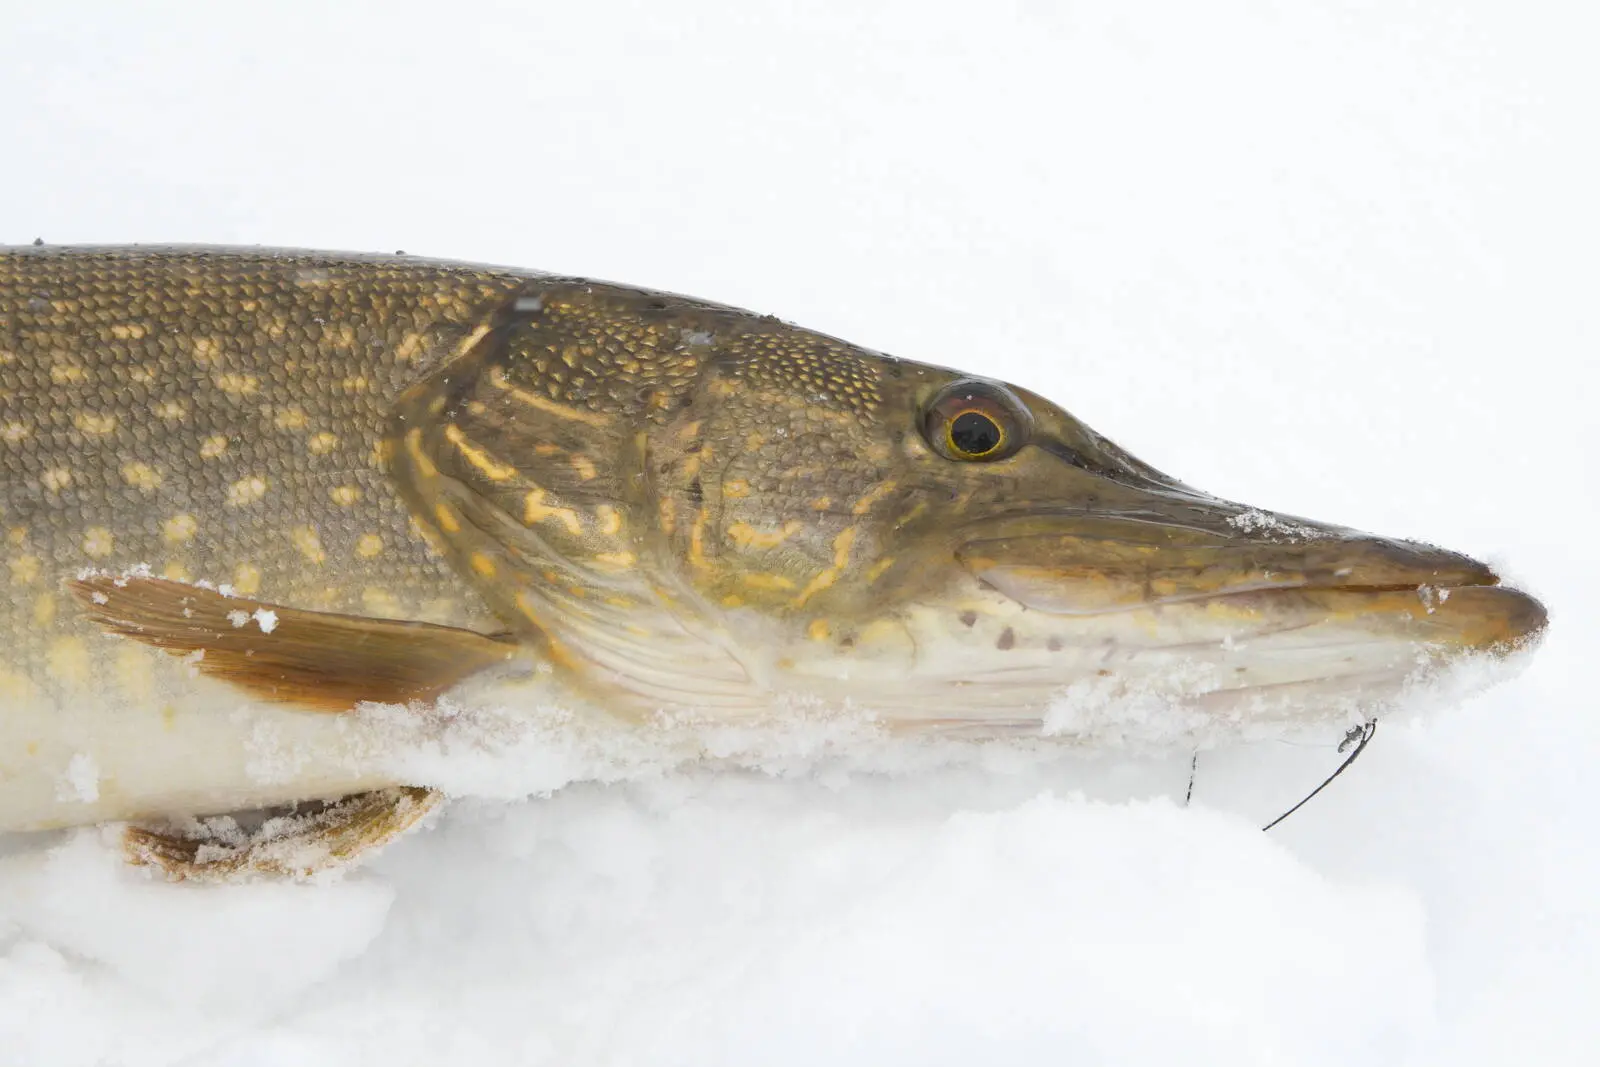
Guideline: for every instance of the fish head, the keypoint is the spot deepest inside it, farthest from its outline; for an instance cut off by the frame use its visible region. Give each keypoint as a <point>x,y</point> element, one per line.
<point>776,513</point>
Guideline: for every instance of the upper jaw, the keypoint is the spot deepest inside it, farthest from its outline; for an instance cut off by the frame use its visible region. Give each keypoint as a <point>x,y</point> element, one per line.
<point>1193,549</point>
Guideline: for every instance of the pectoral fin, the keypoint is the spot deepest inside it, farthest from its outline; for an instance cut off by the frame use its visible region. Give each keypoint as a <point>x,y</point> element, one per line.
<point>315,660</point>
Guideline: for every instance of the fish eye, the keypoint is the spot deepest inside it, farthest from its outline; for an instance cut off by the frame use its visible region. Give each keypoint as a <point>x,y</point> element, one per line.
<point>976,422</point>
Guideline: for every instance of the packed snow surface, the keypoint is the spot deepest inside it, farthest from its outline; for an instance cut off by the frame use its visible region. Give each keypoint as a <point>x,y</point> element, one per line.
<point>1332,260</point>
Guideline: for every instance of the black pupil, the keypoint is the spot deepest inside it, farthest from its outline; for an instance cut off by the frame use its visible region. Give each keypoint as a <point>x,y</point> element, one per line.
<point>974,434</point>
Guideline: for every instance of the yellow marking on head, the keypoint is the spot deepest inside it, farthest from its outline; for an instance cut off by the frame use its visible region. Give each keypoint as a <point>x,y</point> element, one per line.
<point>818,630</point>
<point>546,448</point>
<point>697,539</point>
<point>206,350</point>
<point>345,495</point>
<point>877,493</point>
<point>176,571</point>
<point>308,543</point>
<point>179,528</point>
<point>94,424</point>
<point>213,446</point>
<point>577,591</point>
<point>470,341</point>
<point>141,476</point>
<point>480,458</point>
<point>369,546</point>
<point>826,578</point>
<point>24,569</point>
<point>97,542</point>
<point>584,466</point>
<point>424,462</point>
<point>127,331</point>
<point>409,347</point>
<point>535,510</point>
<point>764,581</point>
<point>44,609</point>
<point>171,410</point>
<point>445,516</point>
<point>822,503</point>
<point>610,520</point>
<point>875,571</point>
<point>289,419</point>
<point>735,488</point>
<point>238,384</point>
<point>68,660</point>
<point>13,432</point>
<point>733,600</point>
<point>723,387</point>
<point>616,560</point>
<point>689,431</point>
<point>498,379</point>
<point>747,536</point>
<point>619,601</point>
<point>67,373</point>
<point>667,511</point>
<point>56,479</point>
<point>483,564</point>
<point>322,443</point>
<point>247,579</point>
<point>246,491</point>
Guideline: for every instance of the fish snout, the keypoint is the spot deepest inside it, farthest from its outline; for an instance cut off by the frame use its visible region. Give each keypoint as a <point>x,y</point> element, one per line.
<point>1267,570</point>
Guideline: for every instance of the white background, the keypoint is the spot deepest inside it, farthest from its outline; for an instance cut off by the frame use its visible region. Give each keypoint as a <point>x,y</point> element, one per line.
<point>1336,260</point>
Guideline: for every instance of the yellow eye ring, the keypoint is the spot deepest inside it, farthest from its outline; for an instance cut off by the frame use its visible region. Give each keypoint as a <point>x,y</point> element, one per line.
<point>976,422</point>
<point>974,434</point>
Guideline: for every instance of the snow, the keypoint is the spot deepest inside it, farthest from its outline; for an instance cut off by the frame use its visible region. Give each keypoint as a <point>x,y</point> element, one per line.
<point>1330,260</point>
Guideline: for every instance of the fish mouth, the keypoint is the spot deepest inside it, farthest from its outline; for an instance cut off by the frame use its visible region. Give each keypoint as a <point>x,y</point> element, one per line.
<point>1220,571</point>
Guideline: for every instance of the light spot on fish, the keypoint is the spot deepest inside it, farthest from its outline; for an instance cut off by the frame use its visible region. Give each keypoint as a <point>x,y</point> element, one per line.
<point>67,374</point>
<point>409,347</point>
<point>56,479</point>
<point>535,510</point>
<point>345,495</point>
<point>609,519</point>
<point>818,630</point>
<point>480,458</point>
<point>379,601</point>
<point>322,443</point>
<point>246,579</point>
<point>67,660</point>
<point>13,432</point>
<point>237,385</point>
<point>24,569</point>
<point>616,560</point>
<point>354,384</point>
<point>822,503</point>
<point>308,544</point>
<point>94,424</point>
<point>745,535</point>
<point>878,492</point>
<point>584,467</point>
<point>97,542</point>
<point>213,446</point>
<point>446,518</point>
<point>733,600</point>
<point>141,476</point>
<point>179,529</point>
<point>826,578</point>
<point>246,491</point>
<point>763,580</point>
<point>369,546</point>
<point>289,419</point>
<point>483,564</point>
<point>206,350</point>
<point>127,331</point>
<point>498,379</point>
<point>175,571</point>
<point>171,410</point>
<point>875,571</point>
<point>134,673</point>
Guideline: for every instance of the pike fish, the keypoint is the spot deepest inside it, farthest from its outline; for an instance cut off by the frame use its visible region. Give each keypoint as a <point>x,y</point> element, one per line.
<point>246,491</point>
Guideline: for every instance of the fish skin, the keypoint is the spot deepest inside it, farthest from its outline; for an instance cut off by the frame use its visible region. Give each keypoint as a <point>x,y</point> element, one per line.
<point>671,503</point>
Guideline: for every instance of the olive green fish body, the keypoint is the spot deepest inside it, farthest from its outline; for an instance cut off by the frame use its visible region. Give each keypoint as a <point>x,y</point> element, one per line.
<point>308,480</point>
